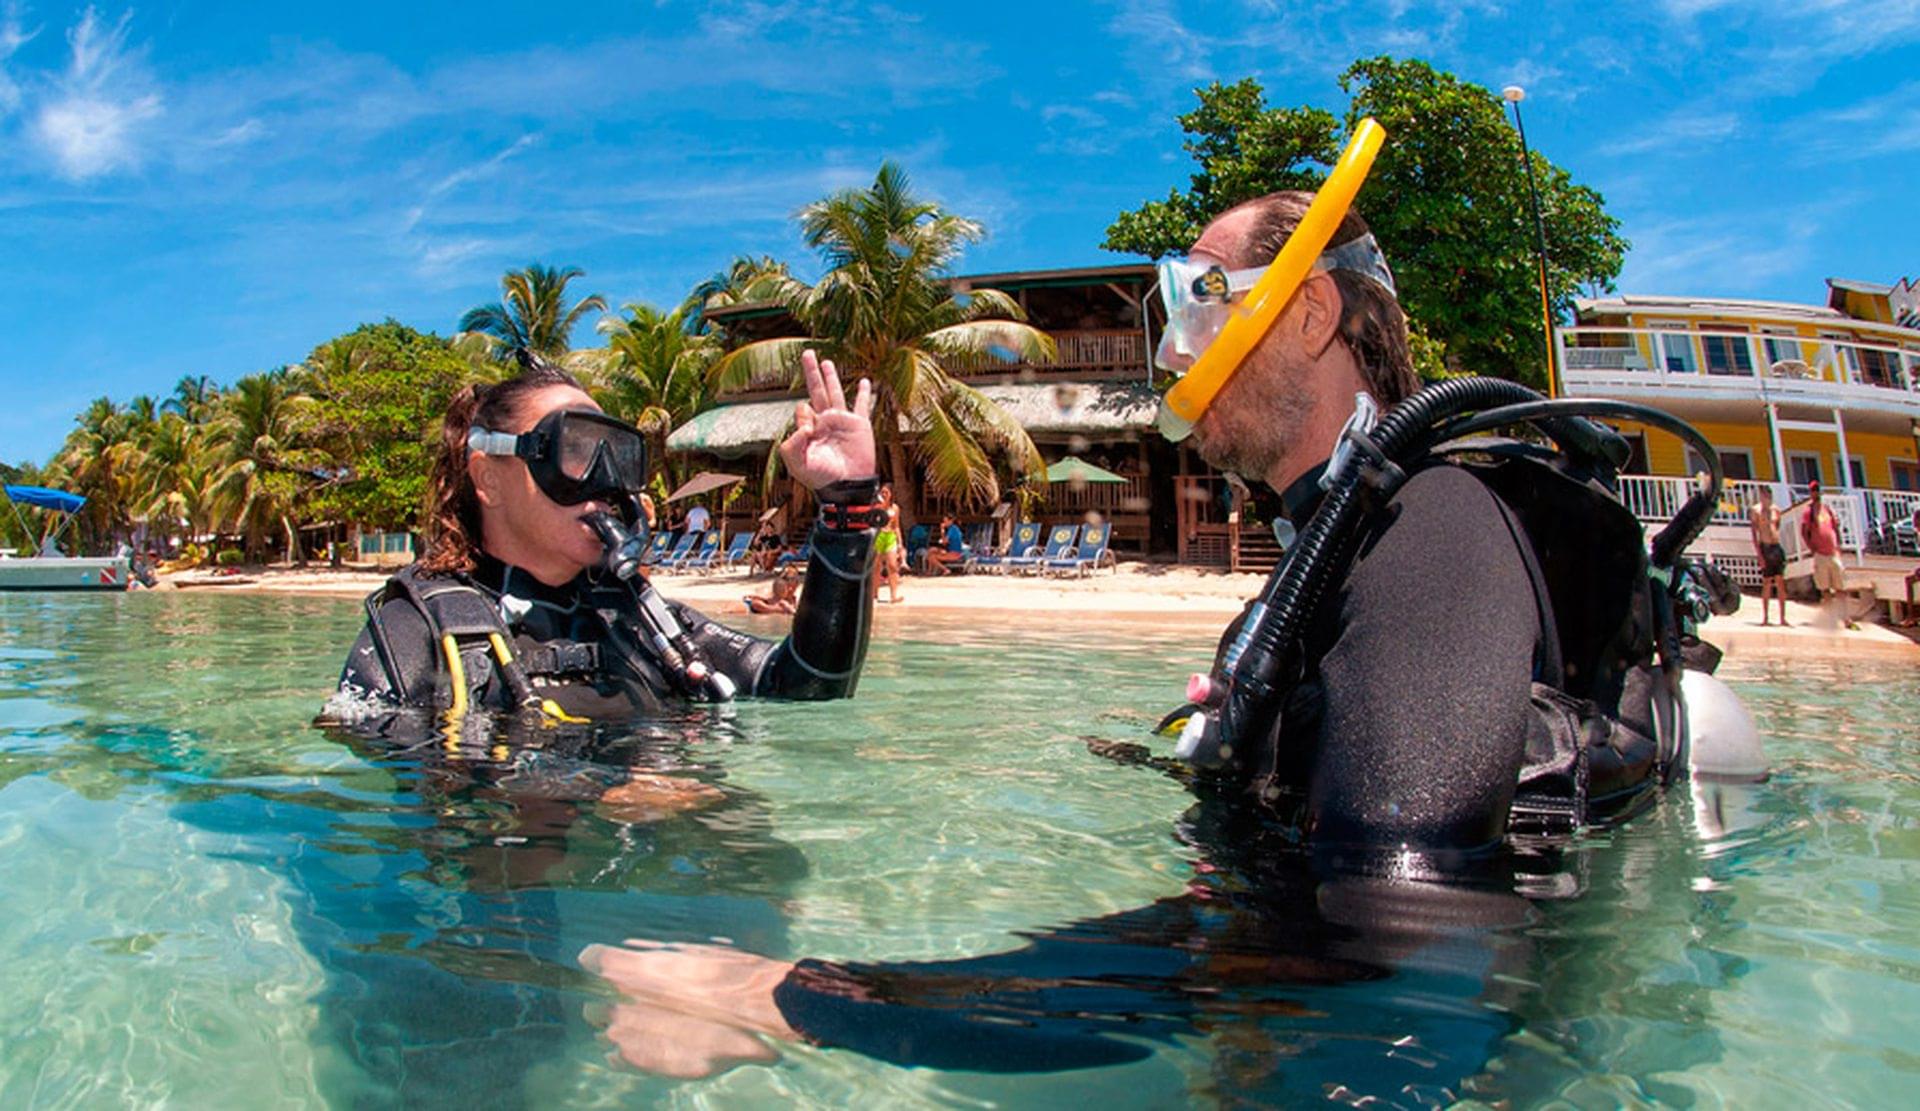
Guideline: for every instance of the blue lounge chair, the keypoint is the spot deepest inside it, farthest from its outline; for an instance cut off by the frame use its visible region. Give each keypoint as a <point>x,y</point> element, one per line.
<point>797,555</point>
<point>656,548</point>
<point>704,553</point>
<point>1088,554</point>
<point>1060,540</point>
<point>737,551</point>
<point>680,551</point>
<point>1026,537</point>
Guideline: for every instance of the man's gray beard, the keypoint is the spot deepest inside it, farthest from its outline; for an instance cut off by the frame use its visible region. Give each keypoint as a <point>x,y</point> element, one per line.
<point>1256,449</point>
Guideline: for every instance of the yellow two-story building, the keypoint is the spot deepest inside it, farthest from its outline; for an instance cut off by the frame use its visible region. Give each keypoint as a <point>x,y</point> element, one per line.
<point>1788,394</point>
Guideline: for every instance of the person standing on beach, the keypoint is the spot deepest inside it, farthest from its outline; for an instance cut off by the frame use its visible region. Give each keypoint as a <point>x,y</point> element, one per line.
<point>1820,532</point>
<point>888,551</point>
<point>1763,522</point>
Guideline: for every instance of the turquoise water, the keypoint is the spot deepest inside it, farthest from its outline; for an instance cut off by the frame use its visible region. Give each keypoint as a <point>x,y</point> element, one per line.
<point>207,902</point>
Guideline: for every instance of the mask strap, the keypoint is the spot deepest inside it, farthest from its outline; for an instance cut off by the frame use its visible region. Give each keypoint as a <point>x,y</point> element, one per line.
<point>1360,256</point>
<point>488,442</point>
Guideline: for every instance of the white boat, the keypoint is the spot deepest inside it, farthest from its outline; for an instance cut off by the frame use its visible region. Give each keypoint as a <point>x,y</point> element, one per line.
<point>50,571</point>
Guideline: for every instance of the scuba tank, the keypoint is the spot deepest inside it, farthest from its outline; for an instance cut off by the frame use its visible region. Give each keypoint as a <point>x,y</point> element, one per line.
<point>1235,709</point>
<point>654,623</point>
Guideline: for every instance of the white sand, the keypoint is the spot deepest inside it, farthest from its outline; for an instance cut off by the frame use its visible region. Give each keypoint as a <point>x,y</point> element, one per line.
<point>1184,596</point>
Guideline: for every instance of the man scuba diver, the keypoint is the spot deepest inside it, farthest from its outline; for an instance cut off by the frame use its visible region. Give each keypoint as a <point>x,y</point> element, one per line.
<point>531,599</point>
<point>1465,641</point>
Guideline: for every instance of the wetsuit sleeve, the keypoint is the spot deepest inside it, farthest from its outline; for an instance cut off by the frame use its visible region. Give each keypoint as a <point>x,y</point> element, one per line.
<point>822,655</point>
<point>1425,688</point>
<point>823,652</point>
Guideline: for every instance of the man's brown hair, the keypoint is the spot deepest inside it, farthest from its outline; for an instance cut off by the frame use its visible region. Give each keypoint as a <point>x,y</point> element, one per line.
<point>1371,321</point>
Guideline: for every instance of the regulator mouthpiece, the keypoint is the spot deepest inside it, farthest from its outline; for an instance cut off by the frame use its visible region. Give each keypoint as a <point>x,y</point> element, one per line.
<point>624,548</point>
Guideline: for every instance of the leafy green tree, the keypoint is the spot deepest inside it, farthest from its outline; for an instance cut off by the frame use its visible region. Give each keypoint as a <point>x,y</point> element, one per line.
<point>379,394</point>
<point>533,314</point>
<point>1447,199</point>
<point>655,371</point>
<point>884,311</point>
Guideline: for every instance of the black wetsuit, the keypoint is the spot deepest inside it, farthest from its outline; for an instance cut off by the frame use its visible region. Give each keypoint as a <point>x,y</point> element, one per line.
<point>1412,727</point>
<point>580,646</point>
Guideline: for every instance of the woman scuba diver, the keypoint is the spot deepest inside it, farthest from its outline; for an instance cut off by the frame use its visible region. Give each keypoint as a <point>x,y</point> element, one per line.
<point>531,600</point>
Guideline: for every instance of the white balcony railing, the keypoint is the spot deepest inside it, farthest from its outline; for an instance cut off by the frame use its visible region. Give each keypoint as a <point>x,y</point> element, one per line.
<point>1821,369</point>
<point>1871,521</point>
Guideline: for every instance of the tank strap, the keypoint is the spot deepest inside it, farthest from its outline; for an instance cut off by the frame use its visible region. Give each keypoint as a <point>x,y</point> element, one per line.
<point>462,615</point>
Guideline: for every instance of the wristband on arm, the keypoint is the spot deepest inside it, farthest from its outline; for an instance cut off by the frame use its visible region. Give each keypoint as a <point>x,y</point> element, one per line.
<point>847,506</point>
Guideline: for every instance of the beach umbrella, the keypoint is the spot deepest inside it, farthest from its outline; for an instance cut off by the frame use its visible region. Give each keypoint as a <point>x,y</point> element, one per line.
<point>1074,469</point>
<point>702,483</point>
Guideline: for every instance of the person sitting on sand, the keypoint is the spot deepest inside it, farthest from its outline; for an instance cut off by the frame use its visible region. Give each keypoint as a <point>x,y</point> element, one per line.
<point>948,550</point>
<point>780,594</point>
<point>519,606</point>
<point>766,547</point>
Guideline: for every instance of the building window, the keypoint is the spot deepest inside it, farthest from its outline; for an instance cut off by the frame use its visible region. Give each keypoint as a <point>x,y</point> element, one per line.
<point>1906,475</point>
<point>1636,453</point>
<point>1727,354</point>
<point>1856,470</point>
<point>1676,352</point>
<point>1736,463</point>
<point>1783,350</point>
<point>1803,467</point>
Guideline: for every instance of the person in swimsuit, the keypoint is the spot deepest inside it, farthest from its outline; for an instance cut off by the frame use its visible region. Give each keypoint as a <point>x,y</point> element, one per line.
<point>1763,521</point>
<point>889,553</point>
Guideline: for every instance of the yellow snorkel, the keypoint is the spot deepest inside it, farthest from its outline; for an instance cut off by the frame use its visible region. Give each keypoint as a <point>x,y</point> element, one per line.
<point>1182,406</point>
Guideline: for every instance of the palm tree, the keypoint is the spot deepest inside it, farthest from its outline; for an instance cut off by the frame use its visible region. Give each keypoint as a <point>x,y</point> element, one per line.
<point>193,397</point>
<point>655,371</point>
<point>746,281</point>
<point>97,461</point>
<point>883,311</point>
<point>262,425</point>
<point>534,316</point>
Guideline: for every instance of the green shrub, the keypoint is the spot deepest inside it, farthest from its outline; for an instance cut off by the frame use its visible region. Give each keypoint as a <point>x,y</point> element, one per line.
<point>229,557</point>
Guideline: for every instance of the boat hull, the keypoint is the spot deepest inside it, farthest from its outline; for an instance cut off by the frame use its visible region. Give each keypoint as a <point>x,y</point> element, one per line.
<point>64,574</point>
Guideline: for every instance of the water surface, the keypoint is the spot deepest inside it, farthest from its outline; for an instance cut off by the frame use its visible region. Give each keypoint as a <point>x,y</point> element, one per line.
<point>210,903</point>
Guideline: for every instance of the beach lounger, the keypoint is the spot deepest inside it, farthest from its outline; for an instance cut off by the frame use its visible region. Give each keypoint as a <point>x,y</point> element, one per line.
<point>704,554</point>
<point>656,548</point>
<point>1060,540</point>
<point>798,555</point>
<point>1026,537</point>
<point>1087,555</point>
<point>680,551</point>
<point>737,551</point>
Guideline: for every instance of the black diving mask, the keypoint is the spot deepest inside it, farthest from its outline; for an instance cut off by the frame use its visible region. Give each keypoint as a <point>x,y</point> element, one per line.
<point>574,455</point>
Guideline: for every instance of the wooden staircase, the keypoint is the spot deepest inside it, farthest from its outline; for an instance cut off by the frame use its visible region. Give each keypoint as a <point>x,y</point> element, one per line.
<point>1259,551</point>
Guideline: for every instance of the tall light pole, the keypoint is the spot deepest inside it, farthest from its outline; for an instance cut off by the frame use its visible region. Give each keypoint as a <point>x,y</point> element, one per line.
<point>1514,95</point>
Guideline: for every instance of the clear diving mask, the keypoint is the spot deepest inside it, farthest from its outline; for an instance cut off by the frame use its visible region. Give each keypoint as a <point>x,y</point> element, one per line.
<point>574,455</point>
<point>1215,317</point>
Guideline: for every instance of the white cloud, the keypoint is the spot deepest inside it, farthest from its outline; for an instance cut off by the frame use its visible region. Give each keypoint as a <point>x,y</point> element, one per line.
<point>12,38</point>
<point>1691,129</point>
<point>465,174</point>
<point>90,124</point>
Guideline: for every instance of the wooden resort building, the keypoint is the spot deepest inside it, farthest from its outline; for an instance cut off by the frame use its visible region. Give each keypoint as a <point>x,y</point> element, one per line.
<point>1095,401</point>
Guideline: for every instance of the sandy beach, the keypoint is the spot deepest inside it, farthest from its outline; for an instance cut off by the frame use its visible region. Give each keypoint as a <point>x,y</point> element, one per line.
<point>1137,592</point>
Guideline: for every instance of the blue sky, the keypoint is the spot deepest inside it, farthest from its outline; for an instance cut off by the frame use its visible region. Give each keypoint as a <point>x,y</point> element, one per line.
<point>214,189</point>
